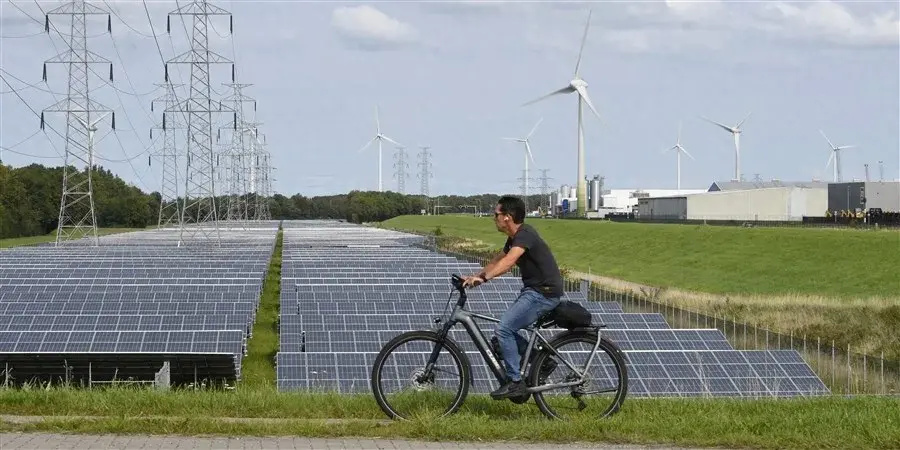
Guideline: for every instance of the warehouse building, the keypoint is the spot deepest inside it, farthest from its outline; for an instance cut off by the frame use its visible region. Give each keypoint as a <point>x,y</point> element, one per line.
<point>783,203</point>
<point>861,196</point>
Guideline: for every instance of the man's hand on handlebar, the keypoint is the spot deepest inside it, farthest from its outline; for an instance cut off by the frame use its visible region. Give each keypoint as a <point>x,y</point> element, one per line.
<point>473,280</point>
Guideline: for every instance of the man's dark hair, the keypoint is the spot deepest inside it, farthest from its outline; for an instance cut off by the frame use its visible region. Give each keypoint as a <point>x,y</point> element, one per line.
<point>514,206</point>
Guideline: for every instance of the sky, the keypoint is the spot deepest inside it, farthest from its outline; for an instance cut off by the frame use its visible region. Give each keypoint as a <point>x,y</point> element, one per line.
<point>454,76</point>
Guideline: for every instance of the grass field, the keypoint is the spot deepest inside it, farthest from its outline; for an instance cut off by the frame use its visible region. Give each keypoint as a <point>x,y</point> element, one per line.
<point>834,422</point>
<point>838,285</point>
<point>51,237</point>
<point>840,264</point>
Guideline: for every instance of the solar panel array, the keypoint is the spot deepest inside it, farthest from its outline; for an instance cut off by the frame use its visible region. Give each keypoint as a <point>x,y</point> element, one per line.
<point>119,311</point>
<point>346,290</point>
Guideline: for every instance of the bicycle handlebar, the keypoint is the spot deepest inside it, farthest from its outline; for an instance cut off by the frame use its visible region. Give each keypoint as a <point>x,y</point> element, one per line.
<point>457,282</point>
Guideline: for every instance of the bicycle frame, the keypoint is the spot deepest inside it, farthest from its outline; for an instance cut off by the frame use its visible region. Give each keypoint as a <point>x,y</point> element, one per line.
<point>467,319</point>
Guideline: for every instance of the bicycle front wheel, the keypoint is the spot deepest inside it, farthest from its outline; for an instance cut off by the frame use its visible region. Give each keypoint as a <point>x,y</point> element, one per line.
<point>605,379</point>
<point>405,389</point>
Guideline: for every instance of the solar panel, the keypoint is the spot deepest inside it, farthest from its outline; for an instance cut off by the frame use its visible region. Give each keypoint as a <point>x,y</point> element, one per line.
<point>627,339</point>
<point>732,373</point>
<point>494,308</point>
<point>123,322</point>
<point>293,324</point>
<point>346,290</point>
<point>134,301</point>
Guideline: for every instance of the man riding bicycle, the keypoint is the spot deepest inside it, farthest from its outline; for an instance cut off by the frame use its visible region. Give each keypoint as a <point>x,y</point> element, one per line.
<point>543,286</point>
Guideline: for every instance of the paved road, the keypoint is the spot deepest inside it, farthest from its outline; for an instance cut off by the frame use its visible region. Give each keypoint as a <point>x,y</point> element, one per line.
<point>47,441</point>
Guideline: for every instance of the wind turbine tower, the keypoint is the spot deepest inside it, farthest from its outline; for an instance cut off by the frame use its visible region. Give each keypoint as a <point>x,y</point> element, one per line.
<point>379,136</point>
<point>527,156</point>
<point>736,132</point>
<point>679,150</point>
<point>835,157</point>
<point>577,84</point>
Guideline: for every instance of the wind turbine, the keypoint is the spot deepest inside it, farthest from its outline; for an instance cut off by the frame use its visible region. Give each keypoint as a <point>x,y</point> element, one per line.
<point>528,154</point>
<point>736,132</point>
<point>580,86</point>
<point>836,157</point>
<point>379,137</point>
<point>91,129</point>
<point>679,150</point>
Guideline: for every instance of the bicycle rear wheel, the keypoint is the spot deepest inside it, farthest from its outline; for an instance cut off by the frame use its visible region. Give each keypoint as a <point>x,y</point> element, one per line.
<point>402,388</point>
<point>605,384</point>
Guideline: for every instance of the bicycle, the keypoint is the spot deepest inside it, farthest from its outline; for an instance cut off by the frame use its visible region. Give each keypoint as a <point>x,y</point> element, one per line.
<point>419,367</point>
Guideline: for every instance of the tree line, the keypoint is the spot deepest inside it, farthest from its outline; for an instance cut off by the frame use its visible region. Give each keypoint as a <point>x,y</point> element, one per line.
<point>30,196</point>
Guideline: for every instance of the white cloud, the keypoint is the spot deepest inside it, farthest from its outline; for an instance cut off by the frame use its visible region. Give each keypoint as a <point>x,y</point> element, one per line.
<point>833,23</point>
<point>370,29</point>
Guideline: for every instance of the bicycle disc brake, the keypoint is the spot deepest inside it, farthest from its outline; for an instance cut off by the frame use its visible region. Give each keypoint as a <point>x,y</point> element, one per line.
<point>420,381</point>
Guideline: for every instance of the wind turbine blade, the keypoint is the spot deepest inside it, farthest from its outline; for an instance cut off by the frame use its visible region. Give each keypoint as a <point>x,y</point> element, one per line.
<point>679,133</point>
<point>534,128</point>
<point>833,147</point>
<point>377,122</point>
<point>686,152</point>
<point>583,93</point>
<point>846,147</point>
<point>725,127</point>
<point>391,140</point>
<point>742,122</point>
<point>528,149</point>
<point>367,145</point>
<point>564,90</point>
<point>587,26</point>
<point>830,158</point>
<point>512,139</point>
<point>82,122</point>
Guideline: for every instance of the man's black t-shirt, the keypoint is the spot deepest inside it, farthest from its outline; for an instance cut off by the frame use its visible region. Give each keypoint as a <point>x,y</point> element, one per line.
<point>537,264</point>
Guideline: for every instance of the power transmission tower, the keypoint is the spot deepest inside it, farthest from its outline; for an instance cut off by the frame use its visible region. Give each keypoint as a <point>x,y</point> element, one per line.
<point>251,185</point>
<point>265,182</point>
<point>77,216</point>
<point>401,166</point>
<point>169,208</point>
<point>545,186</point>
<point>425,170</point>
<point>523,188</point>
<point>235,155</point>
<point>880,170</point>
<point>200,189</point>
<point>260,174</point>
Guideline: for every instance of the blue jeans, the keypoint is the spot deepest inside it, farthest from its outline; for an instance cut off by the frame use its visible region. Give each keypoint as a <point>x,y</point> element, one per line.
<point>523,312</point>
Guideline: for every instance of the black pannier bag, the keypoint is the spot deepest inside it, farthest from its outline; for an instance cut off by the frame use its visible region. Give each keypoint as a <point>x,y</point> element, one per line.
<point>569,315</point>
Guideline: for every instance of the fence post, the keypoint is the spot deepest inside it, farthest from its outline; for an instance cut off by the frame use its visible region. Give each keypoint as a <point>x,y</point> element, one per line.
<point>849,374</point>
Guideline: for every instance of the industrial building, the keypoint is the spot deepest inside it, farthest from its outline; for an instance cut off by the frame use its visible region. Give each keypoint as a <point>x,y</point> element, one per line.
<point>864,195</point>
<point>789,203</point>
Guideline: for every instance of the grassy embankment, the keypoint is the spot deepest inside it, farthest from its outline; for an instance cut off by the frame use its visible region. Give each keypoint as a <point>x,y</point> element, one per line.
<point>834,284</point>
<point>256,408</point>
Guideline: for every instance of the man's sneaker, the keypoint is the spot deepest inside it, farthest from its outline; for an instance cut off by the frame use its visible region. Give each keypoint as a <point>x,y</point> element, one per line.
<point>547,367</point>
<point>510,389</point>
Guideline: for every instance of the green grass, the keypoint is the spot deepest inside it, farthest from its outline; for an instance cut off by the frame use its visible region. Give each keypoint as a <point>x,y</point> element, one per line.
<point>258,366</point>
<point>712,259</point>
<point>51,237</point>
<point>833,422</point>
